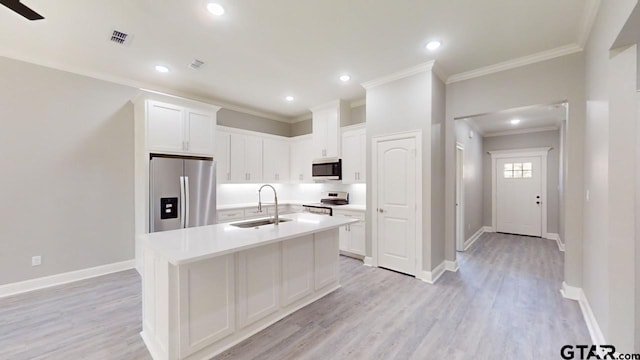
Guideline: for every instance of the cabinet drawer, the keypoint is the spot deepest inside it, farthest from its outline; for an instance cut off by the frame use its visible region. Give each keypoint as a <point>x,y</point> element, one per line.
<point>348,213</point>
<point>296,208</point>
<point>253,212</point>
<point>282,209</point>
<point>229,215</point>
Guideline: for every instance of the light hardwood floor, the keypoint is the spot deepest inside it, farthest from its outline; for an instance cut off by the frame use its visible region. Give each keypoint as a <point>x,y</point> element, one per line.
<point>503,303</point>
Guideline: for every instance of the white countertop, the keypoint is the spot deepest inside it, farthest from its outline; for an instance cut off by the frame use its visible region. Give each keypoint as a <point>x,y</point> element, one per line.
<point>193,244</point>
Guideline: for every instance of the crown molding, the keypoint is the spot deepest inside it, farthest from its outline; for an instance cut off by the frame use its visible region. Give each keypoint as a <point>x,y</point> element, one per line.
<point>428,66</point>
<point>440,73</point>
<point>303,117</point>
<point>81,71</point>
<point>515,63</point>
<point>588,19</point>
<point>521,131</point>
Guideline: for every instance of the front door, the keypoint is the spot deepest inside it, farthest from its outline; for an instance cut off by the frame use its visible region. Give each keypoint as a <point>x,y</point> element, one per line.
<point>519,196</point>
<point>396,204</point>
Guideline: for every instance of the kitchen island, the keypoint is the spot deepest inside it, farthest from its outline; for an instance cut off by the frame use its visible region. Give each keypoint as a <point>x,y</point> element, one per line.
<point>207,288</point>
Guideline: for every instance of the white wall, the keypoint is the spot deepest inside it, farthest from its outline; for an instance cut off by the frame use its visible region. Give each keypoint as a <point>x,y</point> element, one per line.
<point>67,171</point>
<point>546,82</point>
<point>400,106</point>
<point>473,177</point>
<point>609,282</point>
<point>438,109</point>
<point>524,141</point>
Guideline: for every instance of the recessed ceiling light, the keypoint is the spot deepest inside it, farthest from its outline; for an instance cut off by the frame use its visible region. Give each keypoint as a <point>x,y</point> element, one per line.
<point>162,69</point>
<point>345,78</point>
<point>289,98</point>
<point>433,45</point>
<point>215,9</point>
<point>515,121</point>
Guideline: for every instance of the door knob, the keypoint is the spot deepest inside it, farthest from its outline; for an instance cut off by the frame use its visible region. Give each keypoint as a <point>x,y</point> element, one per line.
<point>380,210</point>
<point>538,202</point>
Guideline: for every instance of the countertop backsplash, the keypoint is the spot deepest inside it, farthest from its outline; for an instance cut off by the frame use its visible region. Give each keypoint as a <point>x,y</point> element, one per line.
<point>229,194</point>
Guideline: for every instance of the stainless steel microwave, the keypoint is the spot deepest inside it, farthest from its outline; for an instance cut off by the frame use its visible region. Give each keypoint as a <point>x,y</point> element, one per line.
<point>326,169</point>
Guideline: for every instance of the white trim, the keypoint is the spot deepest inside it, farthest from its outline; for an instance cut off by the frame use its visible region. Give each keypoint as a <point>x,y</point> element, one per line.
<point>428,66</point>
<point>417,136</point>
<point>440,73</point>
<point>368,261</point>
<point>359,126</point>
<point>467,244</point>
<point>301,118</point>
<point>522,131</point>
<point>588,19</point>
<point>488,229</point>
<point>460,220</point>
<point>451,265</point>
<point>555,237</point>
<point>515,63</point>
<point>530,152</point>
<point>64,278</point>
<point>430,277</point>
<point>228,129</point>
<point>577,294</point>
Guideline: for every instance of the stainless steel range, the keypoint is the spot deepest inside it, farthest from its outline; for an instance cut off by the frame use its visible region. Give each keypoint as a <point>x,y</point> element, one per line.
<point>329,199</point>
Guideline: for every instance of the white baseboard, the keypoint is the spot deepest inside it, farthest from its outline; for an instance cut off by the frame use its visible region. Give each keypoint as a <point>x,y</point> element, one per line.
<point>64,278</point>
<point>556,238</point>
<point>488,229</point>
<point>473,238</point>
<point>430,277</point>
<point>368,261</point>
<point>577,294</point>
<point>451,265</point>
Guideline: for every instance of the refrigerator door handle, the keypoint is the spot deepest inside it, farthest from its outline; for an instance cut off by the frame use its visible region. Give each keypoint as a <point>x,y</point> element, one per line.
<point>183,204</point>
<point>186,201</point>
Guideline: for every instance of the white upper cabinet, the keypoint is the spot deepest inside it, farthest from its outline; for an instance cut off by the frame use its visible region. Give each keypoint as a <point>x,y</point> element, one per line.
<point>354,144</point>
<point>301,156</point>
<point>275,156</point>
<point>245,158</point>
<point>326,123</point>
<point>180,129</point>
<point>221,156</point>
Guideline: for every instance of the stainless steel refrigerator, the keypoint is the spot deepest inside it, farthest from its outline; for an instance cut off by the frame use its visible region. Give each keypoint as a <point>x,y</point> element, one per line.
<point>182,192</point>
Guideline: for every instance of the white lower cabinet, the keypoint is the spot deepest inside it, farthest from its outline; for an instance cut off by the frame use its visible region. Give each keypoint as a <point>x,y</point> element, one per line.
<point>258,283</point>
<point>206,303</point>
<point>352,237</point>
<point>297,270</point>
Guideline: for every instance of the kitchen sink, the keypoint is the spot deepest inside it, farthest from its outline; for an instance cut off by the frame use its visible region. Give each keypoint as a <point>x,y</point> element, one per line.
<point>256,223</point>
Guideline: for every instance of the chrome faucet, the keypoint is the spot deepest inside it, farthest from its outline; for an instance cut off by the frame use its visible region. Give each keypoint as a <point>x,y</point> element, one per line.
<point>275,197</point>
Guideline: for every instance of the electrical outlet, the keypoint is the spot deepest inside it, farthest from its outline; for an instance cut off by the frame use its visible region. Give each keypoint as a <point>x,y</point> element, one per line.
<point>36,260</point>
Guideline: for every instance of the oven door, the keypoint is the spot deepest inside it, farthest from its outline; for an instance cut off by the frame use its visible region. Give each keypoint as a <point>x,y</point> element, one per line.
<point>326,169</point>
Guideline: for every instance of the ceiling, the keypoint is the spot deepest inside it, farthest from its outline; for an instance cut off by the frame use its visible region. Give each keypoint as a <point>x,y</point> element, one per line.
<point>261,51</point>
<point>537,117</point>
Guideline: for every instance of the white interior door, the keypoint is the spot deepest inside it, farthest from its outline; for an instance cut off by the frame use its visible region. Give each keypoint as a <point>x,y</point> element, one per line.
<point>519,196</point>
<point>460,238</point>
<point>396,204</point>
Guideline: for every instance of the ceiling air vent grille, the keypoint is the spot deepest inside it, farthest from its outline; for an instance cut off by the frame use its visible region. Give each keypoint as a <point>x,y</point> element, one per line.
<point>119,37</point>
<point>196,64</point>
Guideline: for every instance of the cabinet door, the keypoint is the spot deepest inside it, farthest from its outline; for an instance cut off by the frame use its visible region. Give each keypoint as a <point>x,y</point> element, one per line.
<point>350,157</point>
<point>165,127</point>
<point>362,168</point>
<point>300,152</point>
<point>344,237</point>
<point>200,129</point>
<point>333,134</point>
<point>253,158</point>
<point>275,158</point>
<point>237,166</point>
<point>207,303</point>
<point>221,156</point>
<point>319,126</point>
<point>297,269</point>
<point>356,238</point>
<point>258,283</point>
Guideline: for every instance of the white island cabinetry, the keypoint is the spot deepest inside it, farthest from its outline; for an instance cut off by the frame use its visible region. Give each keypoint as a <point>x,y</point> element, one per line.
<point>206,289</point>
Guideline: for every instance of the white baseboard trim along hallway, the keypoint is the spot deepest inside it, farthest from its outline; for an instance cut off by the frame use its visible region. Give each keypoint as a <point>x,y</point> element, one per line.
<point>556,237</point>
<point>577,294</point>
<point>368,261</point>
<point>430,277</point>
<point>64,278</point>
<point>472,239</point>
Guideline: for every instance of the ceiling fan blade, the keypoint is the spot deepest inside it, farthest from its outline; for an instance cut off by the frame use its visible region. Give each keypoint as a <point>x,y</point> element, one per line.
<point>21,9</point>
